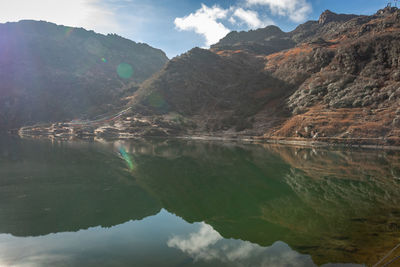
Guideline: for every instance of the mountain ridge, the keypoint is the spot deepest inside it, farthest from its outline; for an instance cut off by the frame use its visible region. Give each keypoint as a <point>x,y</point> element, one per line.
<point>329,80</point>
<point>52,72</point>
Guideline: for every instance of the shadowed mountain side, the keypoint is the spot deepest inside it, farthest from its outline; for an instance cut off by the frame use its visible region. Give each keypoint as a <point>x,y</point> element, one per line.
<point>249,193</point>
<point>218,90</point>
<point>53,73</point>
<point>64,187</point>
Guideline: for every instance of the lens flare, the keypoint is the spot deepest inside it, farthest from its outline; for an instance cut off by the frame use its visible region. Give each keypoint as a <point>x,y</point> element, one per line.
<point>124,70</point>
<point>68,31</point>
<point>104,60</point>
<point>156,100</point>
<point>126,157</point>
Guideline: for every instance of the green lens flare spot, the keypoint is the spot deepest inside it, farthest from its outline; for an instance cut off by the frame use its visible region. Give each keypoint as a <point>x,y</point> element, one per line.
<point>156,100</point>
<point>124,70</point>
<point>104,60</point>
<point>127,158</point>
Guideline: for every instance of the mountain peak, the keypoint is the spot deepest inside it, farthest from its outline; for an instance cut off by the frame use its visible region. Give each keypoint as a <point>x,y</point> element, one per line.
<point>329,16</point>
<point>266,40</point>
<point>387,10</point>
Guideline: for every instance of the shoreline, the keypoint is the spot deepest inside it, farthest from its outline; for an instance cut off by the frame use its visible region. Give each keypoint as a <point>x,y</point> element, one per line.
<point>304,142</point>
<point>367,143</point>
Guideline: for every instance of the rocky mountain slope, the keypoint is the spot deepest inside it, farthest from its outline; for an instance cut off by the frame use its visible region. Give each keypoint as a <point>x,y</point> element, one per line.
<point>336,79</point>
<point>52,73</point>
<point>333,78</point>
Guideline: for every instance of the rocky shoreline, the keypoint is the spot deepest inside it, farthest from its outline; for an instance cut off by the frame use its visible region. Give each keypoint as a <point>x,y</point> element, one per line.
<point>144,129</point>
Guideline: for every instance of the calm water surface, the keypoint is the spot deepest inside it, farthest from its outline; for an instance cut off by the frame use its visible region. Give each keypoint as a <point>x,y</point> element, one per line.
<point>187,203</point>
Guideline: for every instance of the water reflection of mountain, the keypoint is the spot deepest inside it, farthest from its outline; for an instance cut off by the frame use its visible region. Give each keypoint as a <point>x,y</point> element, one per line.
<point>58,187</point>
<point>338,206</point>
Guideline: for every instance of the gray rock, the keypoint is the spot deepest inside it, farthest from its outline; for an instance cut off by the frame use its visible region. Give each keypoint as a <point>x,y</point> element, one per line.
<point>396,121</point>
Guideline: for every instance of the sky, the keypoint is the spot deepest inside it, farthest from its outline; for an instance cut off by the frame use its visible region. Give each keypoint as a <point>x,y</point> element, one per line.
<point>176,26</point>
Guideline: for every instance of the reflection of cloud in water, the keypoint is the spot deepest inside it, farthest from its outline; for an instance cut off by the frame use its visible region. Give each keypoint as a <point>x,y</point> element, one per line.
<point>207,244</point>
<point>198,244</point>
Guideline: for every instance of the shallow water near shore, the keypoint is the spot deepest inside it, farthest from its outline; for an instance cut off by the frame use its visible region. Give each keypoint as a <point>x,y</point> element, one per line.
<point>195,203</point>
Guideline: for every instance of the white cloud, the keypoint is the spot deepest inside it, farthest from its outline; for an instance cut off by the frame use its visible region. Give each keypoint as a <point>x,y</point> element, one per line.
<point>232,20</point>
<point>296,10</point>
<point>89,14</point>
<point>251,18</point>
<point>205,22</point>
<point>209,21</point>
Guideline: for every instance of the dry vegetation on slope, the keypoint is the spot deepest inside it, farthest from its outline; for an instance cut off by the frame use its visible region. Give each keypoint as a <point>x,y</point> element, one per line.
<point>353,90</point>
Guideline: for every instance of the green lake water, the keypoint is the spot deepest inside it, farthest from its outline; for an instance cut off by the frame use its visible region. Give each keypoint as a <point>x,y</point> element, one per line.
<point>195,203</point>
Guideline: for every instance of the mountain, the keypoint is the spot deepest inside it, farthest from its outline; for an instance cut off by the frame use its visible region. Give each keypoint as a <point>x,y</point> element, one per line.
<point>52,73</point>
<point>262,41</point>
<point>334,80</point>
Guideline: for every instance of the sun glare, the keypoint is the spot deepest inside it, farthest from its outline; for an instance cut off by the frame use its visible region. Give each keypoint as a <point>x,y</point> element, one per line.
<point>89,14</point>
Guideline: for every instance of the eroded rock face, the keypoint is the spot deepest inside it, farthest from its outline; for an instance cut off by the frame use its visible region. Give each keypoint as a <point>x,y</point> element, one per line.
<point>329,16</point>
<point>356,93</point>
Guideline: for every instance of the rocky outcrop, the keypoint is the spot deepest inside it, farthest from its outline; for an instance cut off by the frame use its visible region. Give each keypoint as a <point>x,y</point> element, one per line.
<point>262,41</point>
<point>329,16</point>
<point>354,92</point>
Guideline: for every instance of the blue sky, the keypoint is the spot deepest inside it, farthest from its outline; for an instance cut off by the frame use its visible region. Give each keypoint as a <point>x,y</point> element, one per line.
<point>176,26</point>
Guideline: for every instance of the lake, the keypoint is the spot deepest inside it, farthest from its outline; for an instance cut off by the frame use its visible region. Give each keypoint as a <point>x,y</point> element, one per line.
<point>195,203</point>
